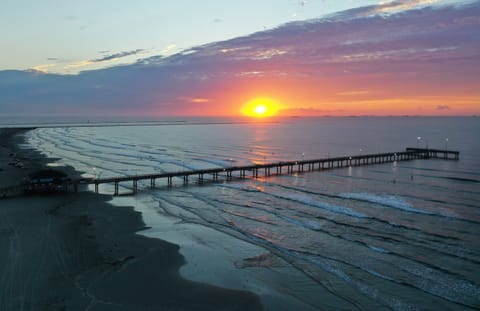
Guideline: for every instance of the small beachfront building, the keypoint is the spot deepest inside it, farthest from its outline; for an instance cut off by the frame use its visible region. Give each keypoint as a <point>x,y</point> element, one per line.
<point>45,181</point>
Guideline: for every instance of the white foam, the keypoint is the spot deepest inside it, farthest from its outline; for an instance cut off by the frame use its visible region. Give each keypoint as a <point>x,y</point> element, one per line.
<point>378,249</point>
<point>385,200</point>
<point>309,224</point>
<point>241,187</point>
<point>307,200</point>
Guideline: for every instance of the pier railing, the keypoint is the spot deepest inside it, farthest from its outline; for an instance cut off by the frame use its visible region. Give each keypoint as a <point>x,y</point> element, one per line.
<point>231,172</point>
<point>268,169</point>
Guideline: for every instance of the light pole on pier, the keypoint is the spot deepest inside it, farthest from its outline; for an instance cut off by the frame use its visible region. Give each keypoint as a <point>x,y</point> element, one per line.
<point>446,144</point>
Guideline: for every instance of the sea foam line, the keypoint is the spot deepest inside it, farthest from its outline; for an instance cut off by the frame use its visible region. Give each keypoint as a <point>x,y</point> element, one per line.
<point>385,200</point>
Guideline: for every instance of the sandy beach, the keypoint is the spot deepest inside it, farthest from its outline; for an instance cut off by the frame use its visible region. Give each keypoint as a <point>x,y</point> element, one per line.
<point>77,252</point>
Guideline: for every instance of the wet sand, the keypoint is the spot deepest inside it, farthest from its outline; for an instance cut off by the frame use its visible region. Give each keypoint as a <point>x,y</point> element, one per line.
<point>77,252</point>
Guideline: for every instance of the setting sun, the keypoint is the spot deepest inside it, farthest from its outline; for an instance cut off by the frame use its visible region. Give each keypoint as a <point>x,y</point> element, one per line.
<point>260,107</point>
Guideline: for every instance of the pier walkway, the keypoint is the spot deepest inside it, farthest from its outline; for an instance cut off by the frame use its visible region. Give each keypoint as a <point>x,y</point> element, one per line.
<point>267,169</point>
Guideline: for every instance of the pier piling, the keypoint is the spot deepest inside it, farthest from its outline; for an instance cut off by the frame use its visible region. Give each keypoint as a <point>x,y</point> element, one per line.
<point>291,168</point>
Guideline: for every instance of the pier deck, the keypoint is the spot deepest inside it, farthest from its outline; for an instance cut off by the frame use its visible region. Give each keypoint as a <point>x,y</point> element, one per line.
<point>268,169</point>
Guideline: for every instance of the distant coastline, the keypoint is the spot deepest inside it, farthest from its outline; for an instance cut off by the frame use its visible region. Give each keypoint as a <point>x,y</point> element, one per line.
<point>29,123</point>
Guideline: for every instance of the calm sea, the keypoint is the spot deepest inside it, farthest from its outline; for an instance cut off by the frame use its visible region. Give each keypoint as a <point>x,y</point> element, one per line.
<point>400,236</point>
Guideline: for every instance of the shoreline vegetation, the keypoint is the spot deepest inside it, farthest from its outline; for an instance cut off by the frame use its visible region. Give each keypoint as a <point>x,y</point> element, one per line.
<point>76,251</point>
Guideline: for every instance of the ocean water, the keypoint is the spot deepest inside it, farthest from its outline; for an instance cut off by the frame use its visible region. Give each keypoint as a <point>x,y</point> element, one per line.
<point>401,236</point>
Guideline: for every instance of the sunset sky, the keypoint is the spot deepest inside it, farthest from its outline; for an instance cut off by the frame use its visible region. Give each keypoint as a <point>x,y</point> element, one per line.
<point>228,58</point>
<point>66,36</point>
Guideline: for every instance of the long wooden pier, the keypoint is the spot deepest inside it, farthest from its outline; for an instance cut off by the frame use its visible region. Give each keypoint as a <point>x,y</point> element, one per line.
<point>268,169</point>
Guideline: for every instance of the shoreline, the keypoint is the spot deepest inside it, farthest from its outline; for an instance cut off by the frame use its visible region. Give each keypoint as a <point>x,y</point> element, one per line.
<point>77,251</point>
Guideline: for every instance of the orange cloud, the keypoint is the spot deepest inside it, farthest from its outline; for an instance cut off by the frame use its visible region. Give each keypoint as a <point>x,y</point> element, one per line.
<point>43,67</point>
<point>200,100</point>
<point>393,5</point>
